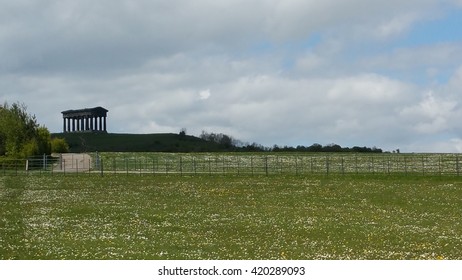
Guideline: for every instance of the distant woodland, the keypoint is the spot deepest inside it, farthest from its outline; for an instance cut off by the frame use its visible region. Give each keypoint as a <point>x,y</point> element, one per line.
<point>229,143</point>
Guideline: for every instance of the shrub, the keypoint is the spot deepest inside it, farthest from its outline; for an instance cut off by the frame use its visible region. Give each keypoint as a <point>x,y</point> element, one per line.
<point>59,145</point>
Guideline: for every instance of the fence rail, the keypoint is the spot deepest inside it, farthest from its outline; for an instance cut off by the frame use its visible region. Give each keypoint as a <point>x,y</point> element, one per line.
<point>256,164</point>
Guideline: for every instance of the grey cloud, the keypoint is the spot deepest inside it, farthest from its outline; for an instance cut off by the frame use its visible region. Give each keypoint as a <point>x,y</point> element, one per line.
<point>102,35</point>
<point>149,61</point>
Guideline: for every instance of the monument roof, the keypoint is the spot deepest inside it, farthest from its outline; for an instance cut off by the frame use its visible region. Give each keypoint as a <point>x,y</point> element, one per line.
<point>97,110</point>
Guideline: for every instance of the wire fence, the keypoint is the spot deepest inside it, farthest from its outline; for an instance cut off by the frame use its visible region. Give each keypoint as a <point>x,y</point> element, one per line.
<point>238,164</point>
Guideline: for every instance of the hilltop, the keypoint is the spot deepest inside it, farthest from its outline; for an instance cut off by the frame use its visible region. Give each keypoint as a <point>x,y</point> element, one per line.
<point>170,142</point>
<point>123,142</point>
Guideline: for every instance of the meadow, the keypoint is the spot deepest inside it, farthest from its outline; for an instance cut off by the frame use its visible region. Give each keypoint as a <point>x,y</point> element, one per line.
<point>202,216</point>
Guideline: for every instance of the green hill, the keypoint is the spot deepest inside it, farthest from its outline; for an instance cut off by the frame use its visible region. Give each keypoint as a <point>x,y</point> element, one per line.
<point>118,142</point>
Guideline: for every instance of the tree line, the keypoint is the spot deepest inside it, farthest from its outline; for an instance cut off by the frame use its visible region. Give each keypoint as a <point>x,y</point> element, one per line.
<point>21,136</point>
<point>331,148</point>
<point>229,143</point>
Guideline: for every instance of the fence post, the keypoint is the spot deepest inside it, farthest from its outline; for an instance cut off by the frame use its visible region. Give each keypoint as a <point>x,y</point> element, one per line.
<point>311,164</point>
<point>281,166</point>
<point>423,165</point>
<point>373,164</point>
<point>137,166</point>
<point>278,166</point>
<point>439,165</point>
<point>302,164</point>
<point>388,165</point>
<point>224,165</point>
<point>405,165</point>
<point>210,166</point>
<point>457,165</point>
<point>327,165</point>
<point>101,166</point>
<point>238,159</point>
<point>383,165</point>
<point>356,164</point>
<point>296,165</point>
<point>194,166</point>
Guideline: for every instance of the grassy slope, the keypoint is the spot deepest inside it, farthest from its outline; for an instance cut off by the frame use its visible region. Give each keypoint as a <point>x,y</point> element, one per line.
<point>115,142</point>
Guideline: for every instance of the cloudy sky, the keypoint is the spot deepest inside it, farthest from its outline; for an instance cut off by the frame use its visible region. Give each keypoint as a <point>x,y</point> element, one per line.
<point>285,72</point>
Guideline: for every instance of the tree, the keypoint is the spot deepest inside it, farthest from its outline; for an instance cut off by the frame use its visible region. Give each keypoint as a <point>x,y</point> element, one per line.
<point>43,140</point>
<point>59,145</point>
<point>225,141</point>
<point>182,133</point>
<point>315,148</point>
<point>20,134</point>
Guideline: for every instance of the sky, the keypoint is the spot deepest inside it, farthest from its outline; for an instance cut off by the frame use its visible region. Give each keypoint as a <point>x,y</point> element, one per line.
<point>275,72</point>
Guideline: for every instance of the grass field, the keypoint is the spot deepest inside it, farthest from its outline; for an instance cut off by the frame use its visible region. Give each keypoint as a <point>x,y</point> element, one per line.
<point>230,217</point>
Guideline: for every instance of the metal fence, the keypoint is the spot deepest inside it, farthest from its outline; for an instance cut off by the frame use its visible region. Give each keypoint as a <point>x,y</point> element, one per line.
<point>298,164</point>
<point>238,164</point>
<point>66,163</point>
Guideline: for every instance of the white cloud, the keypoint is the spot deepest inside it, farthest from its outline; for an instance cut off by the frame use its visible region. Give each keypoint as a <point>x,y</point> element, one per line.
<point>452,145</point>
<point>396,26</point>
<point>205,94</point>
<point>455,82</point>
<point>431,115</point>
<point>366,89</point>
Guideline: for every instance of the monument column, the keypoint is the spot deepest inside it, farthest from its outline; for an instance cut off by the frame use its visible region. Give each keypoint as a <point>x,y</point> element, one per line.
<point>104,127</point>
<point>64,124</point>
<point>100,123</point>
